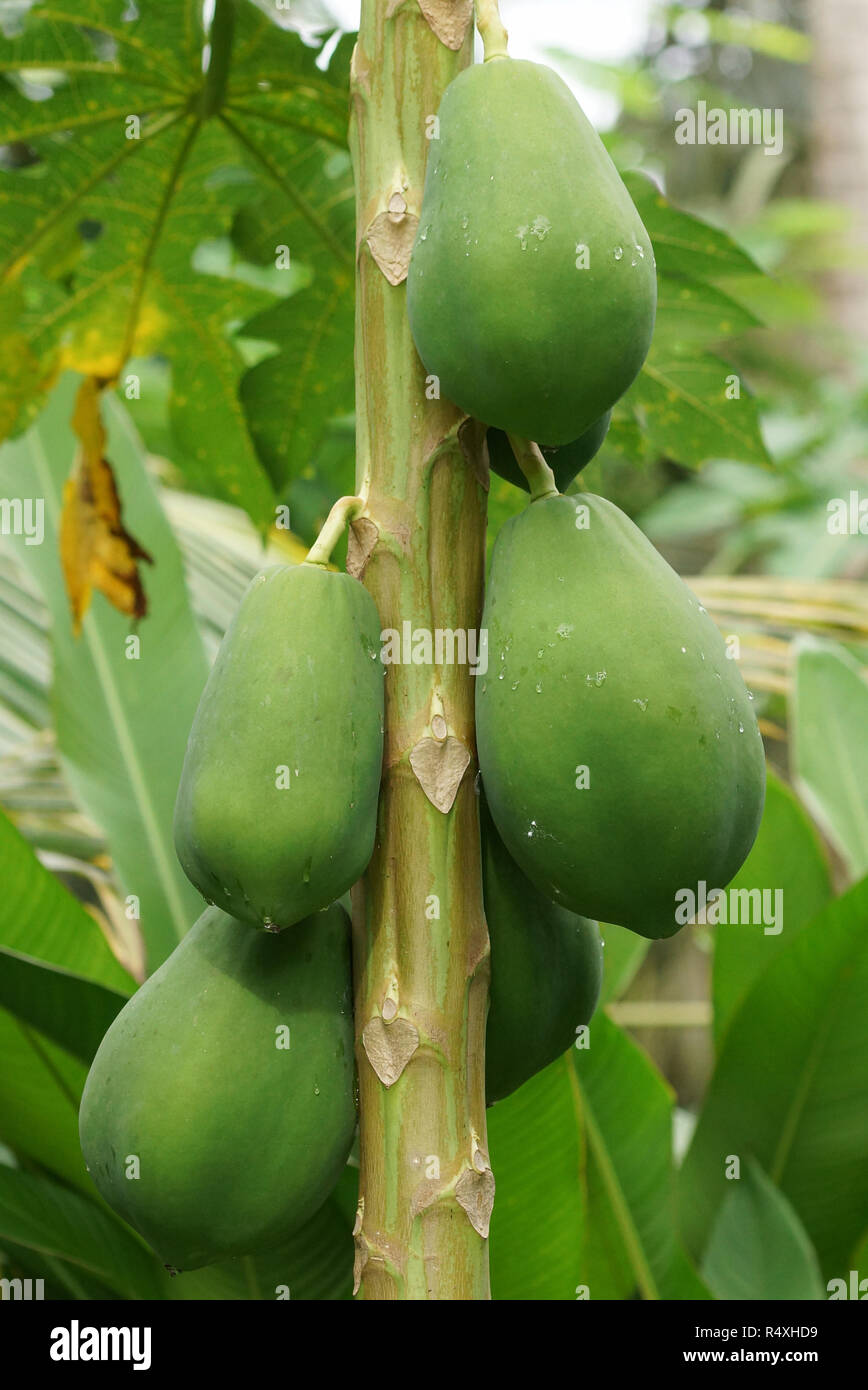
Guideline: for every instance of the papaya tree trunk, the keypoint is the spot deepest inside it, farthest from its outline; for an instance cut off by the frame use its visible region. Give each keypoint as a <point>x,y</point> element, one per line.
<point>420,939</point>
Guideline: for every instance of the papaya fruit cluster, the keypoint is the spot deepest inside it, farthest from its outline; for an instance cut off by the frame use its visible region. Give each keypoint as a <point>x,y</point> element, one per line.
<point>618,746</point>
<point>219,1111</point>
<point>619,751</point>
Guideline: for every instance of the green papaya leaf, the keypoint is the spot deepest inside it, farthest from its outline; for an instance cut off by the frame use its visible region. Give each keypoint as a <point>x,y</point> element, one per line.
<point>828,746</point>
<point>40,919</point>
<point>787,859</point>
<point>758,1248</point>
<point>74,1012</point>
<point>696,408</point>
<point>799,1036</point>
<point>692,314</point>
<point>52,1221</point>
<point>537,1153</point>
<point>291,397</point>
<point>121,723</point>
<point>313,217</point>
<point>174,130</point>
<point>40,1087</point>
<point>683,245</point>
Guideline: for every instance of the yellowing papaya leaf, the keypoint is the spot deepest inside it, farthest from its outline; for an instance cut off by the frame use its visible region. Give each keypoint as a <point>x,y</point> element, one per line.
<point>96,551</point>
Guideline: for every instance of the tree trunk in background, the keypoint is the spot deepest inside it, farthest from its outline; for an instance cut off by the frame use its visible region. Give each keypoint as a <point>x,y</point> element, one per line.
<point>840,134</point>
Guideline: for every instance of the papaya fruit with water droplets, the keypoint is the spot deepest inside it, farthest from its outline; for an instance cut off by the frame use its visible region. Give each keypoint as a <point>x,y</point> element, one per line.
<point>566,461</point>
<point>532,287</point>
<point>619,749</point>
<point>546,971</point>
<point>219,1110</point>
<point>277,805</point>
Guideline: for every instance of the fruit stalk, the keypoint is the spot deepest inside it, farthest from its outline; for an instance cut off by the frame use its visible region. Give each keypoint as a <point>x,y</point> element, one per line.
<point>540,478</point>
<point>335,524</point>
<point>420,939</point>
<point>491,29</point>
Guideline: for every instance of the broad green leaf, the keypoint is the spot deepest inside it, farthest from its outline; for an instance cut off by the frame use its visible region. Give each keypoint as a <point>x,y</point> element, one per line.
<point>54,1222</point>
<point>829,748</point>
<point>682,1282</point>
<point>859,1259</point>
<point>291,397</point>
<point>40,1087</point>
<point>537,1153</point>
<point>311,212</point>
<point>211,440</point>
<point>690,411</point>
<point>691,313</point>
<point>70,1010</point>
<point>787,858</point>
<point>799,1036</point>
<point>62,1281</point>
<point>626,1114</point>
<point>40,919</point>
<point>122,724</point>
<point>683,245</point>
<point>314,1264</point>
<point>623,954</point>
<point>758,1248</point>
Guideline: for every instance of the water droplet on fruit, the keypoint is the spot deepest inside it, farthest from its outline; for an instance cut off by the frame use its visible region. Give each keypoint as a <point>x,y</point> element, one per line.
<point>643,704</point>
<point>619,252</point>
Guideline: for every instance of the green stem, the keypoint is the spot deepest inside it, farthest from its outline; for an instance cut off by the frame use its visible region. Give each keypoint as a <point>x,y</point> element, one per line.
<point>491,29</point>
<point>336,523</point>
<point>220,41</point>
<point>540,478</point>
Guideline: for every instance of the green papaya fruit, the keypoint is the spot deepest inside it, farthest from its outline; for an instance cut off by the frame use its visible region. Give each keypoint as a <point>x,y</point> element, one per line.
<point>277,806</point>
<point>240,1130</point>
<point>546,971</point>
<point>532,286</point>
<point>565,461</point>
<point>618,746</point>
